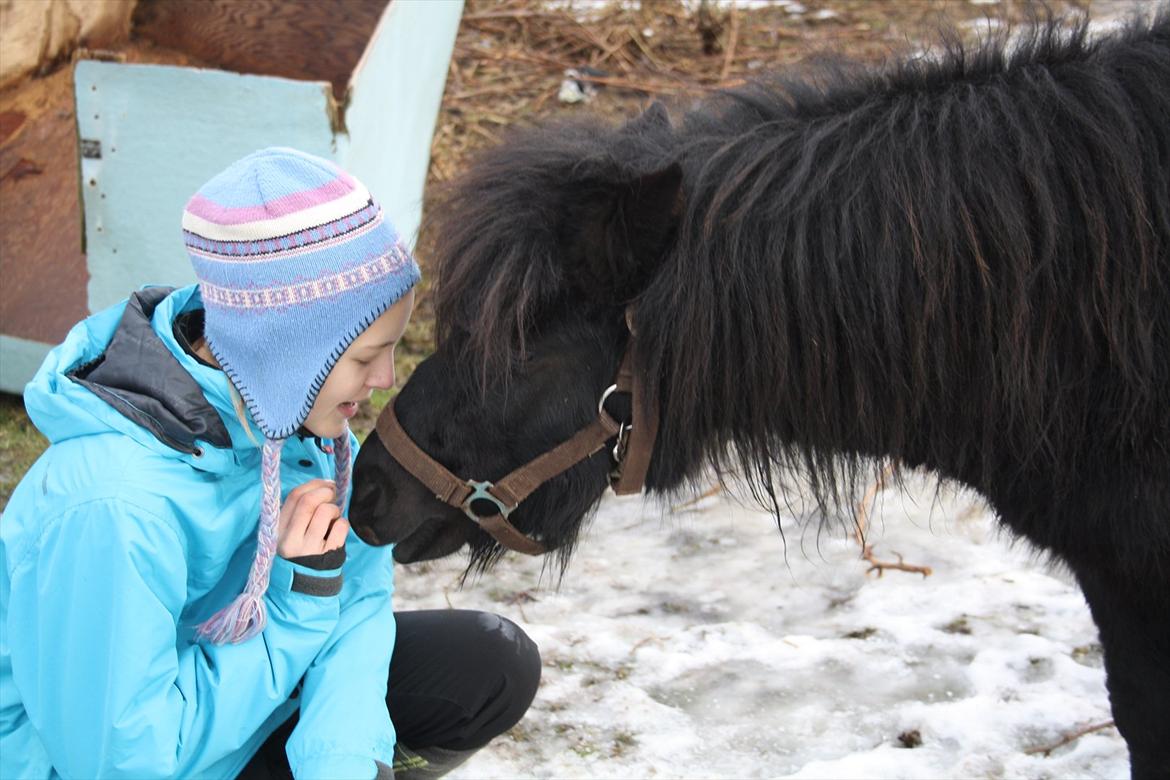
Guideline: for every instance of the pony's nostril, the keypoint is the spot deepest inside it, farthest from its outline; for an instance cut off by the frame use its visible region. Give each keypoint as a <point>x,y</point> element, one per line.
<point>368,535</point>
<point>363,502</point>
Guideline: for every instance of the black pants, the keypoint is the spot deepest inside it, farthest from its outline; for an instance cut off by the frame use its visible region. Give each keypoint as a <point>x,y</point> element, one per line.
<point>458,679</point>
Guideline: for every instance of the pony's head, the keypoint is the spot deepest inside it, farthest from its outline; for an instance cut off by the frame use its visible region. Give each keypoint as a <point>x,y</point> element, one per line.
<point>540,248</point>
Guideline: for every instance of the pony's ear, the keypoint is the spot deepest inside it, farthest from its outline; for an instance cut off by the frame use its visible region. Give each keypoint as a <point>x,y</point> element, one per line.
<point>623,233</point>
<point>650,207</point>
<point>654,118</point>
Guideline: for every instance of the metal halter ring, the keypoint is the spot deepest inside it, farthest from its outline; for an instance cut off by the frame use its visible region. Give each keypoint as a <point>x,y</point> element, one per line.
<point>480,490</point>
<point>605,397</point>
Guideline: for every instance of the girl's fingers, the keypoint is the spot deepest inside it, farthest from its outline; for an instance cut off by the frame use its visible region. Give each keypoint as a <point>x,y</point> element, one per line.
<point>337,534</point>
<point>300,491</point>
<point>318,527</point>
<point>300,509</point>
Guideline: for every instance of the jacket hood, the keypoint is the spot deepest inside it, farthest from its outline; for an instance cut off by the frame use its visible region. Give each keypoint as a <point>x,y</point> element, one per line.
<point>122,370</point>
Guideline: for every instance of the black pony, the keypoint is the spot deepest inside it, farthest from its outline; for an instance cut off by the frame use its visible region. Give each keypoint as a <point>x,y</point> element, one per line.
<point>960,263</point>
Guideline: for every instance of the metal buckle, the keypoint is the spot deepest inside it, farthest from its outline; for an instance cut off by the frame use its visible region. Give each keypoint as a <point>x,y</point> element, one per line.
<point>619,451</point>
<point>623,435</point>
<point>623,442</point>
<point>480,490</point>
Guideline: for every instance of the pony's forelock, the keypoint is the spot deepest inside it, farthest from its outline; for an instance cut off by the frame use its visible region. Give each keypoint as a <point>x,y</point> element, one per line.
<point>497,258</point>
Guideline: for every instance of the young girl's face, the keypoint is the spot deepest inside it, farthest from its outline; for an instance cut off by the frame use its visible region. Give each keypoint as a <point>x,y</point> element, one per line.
<point>366,366</point>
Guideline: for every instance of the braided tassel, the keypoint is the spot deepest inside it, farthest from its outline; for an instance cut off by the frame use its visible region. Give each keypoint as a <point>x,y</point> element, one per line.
<point>343,464</point>
<point>246,615</point>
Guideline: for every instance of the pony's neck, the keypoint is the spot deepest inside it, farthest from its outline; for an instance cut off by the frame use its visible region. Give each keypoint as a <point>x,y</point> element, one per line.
<point>893,267</point>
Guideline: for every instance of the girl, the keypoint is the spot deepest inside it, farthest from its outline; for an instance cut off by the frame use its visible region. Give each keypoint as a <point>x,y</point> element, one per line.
<point>180,594</point>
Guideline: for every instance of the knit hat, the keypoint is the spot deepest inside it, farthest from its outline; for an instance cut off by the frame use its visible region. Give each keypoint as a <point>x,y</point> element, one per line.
<point>294,260</point>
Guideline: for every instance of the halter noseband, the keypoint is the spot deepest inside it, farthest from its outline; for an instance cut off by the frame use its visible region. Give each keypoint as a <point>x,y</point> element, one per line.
<point>489,504</point>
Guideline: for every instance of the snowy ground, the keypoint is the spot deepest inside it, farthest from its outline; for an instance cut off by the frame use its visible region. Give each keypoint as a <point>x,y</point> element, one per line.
<point>694,644</point>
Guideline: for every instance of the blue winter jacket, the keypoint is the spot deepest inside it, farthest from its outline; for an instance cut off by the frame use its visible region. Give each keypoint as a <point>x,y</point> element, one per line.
<point>136,525</point>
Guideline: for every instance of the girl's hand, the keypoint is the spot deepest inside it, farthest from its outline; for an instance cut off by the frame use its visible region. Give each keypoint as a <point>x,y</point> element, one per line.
<point>310,523</point>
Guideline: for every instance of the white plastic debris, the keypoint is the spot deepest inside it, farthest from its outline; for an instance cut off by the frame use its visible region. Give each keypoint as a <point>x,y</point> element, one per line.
<point>573,90</point>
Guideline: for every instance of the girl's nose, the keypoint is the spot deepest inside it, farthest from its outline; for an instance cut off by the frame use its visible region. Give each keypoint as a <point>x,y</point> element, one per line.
<point>383,377</point>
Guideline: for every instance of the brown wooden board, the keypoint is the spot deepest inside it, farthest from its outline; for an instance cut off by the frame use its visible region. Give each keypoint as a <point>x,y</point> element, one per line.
<point>42,267</point>
<point>298,39</point>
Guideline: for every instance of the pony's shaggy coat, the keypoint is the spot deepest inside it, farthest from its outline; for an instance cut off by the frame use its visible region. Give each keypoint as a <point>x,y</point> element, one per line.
<point>959,262</point>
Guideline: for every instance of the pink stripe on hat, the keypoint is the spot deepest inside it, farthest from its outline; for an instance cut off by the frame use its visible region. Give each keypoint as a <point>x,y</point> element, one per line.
<point>288,204</point>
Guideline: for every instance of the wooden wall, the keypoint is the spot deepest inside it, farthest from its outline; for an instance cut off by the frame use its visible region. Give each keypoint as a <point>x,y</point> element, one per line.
<point>309,40</point>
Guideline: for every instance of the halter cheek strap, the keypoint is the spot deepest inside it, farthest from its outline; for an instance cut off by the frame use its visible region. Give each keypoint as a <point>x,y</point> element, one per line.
<point>633,462</point>
<point>489,504</point>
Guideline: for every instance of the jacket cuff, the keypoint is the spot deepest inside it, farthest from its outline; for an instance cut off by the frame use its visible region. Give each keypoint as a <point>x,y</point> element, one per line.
<point>290,577</point>
<point>334,559</point>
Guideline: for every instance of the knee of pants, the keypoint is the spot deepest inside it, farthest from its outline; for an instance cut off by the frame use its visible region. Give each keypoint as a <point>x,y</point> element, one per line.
<point>517,657</point>
<point>508,666</point>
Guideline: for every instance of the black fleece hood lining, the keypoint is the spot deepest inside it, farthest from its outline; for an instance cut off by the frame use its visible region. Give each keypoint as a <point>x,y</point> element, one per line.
<point>140,378</point>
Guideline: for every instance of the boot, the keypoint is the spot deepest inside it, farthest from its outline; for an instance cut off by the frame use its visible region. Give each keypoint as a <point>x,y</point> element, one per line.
<point>427,763</point>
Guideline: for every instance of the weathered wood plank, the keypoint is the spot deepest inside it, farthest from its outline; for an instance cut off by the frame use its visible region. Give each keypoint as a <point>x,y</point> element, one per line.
<point>42,267</point>
<point>298,39</point>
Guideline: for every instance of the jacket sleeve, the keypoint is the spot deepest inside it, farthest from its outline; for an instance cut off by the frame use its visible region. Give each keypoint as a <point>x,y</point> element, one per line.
<point>110,687</point>
<point>344,729</point>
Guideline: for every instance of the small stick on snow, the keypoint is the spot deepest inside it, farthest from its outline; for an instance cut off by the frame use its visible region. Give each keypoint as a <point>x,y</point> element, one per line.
<point>863,510</point>
<point>714,490</point>
<point>881,566</point>
<point>1074,736</point>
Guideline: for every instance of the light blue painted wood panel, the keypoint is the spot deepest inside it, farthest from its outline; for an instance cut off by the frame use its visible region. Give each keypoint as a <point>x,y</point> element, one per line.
<point>163,131</point>
<point>396,92</point>
<point>19,361</point>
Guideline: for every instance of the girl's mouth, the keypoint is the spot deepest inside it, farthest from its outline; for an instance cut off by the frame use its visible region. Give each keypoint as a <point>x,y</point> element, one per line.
<point>348,409</point>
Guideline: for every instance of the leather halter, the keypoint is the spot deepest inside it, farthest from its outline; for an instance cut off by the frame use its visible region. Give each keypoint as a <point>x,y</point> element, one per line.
<point>489,504</point>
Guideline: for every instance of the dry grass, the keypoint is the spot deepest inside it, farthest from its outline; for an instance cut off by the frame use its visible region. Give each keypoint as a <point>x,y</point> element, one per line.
<point>20,445</point>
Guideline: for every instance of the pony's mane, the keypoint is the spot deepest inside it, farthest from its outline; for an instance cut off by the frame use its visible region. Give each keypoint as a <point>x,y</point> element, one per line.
<point>939,260</point>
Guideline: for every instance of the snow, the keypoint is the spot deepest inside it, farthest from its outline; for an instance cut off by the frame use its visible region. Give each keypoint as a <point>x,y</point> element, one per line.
<point>700,643</point>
